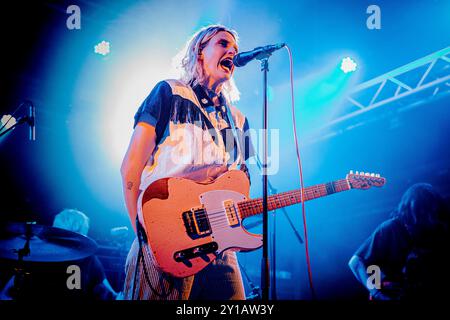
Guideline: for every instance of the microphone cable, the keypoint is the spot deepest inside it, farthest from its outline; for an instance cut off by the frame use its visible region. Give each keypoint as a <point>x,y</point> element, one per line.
<point>299,164</point>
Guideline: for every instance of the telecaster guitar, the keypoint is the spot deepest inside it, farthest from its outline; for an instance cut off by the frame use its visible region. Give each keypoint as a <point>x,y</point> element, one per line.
<point>189,223</point>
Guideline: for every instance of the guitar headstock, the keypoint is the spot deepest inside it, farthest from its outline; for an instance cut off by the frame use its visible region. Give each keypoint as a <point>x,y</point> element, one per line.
<point>364,180</point>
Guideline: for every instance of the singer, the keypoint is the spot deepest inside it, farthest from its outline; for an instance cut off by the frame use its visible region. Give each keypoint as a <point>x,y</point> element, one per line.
<point>186,128</point>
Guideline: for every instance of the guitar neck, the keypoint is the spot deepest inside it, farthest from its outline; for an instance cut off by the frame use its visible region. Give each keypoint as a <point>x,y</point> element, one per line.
<point>253,207</point>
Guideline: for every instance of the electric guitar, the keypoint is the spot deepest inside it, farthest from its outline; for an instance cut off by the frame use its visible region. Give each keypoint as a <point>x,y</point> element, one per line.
<point>188,223</point>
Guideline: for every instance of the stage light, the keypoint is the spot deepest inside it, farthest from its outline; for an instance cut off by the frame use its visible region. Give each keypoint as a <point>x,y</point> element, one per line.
<point>348,65</point>
<point>102,48</point>
<point>7,121</point>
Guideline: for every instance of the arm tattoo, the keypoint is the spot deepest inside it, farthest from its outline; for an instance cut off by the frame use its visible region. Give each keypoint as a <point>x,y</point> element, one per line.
<point>129,185</point>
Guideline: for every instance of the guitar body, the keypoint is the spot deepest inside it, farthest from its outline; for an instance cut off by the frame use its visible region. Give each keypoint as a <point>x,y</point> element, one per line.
<point>189,223</point>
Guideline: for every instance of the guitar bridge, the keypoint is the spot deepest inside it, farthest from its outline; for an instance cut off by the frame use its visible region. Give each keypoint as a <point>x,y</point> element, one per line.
<point>190,253</point>
<point>196,222</point>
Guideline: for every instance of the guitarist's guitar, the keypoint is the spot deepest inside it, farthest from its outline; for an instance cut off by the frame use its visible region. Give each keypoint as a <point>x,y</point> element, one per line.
<point>189,223</point>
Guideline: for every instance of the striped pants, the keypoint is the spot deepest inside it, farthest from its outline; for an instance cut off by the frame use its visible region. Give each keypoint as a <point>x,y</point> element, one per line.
<point>220,280</point>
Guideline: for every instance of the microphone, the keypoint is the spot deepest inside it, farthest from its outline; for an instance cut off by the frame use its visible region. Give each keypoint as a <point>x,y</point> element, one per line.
<point>241,59</point>
<point>31,121</point>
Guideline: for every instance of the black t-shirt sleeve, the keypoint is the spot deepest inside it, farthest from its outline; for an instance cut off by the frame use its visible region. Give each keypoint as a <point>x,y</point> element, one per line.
<point>385,245</point>
<point>372,250</point>
<point>155,108</point>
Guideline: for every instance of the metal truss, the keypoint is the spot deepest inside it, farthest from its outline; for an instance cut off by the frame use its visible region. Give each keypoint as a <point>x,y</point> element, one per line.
<point>429,75</point>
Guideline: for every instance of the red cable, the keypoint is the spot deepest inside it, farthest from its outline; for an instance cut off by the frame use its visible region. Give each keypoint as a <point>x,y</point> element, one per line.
<point>299,163</point>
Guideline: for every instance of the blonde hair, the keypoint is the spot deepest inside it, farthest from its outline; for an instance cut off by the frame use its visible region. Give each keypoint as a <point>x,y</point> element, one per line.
<point>72,220</point>
<point>186,61</point>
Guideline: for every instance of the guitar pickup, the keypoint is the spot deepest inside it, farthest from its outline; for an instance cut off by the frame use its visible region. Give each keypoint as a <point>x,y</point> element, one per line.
<point>196,222</point>
<point>186,254</point>
<point>232,214</point>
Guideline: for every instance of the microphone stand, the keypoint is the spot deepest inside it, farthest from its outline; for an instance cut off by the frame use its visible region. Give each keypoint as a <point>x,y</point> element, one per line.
<point>30,119</point>
<point>265,272</point>
<point>18,122</point>
<point>263,55</point>
<point>255,294</point>
<point>274,259</point>
<point>20,274</point>
<point>273,190</point>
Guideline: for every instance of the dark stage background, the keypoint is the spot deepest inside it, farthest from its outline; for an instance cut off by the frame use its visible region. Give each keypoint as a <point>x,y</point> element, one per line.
<point>85,103</point>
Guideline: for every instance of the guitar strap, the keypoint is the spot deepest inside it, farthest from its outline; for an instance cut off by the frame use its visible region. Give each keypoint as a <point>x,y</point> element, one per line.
<point>142,238</point>
<point>235,134</point>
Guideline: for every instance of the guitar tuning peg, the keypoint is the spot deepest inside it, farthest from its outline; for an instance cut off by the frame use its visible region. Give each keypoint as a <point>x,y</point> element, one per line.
<point>372,174</point>
<point>361,173</point>
<point>377,175</point>
<point>351,171</point>
<point>357,172</point>
<point>367,174</point>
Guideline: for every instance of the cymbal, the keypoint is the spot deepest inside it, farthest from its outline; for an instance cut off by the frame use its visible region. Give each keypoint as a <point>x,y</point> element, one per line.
<point>47,244</point>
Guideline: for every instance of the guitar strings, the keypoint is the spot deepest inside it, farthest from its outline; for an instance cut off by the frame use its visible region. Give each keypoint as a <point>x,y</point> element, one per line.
<point>274,200</point>
<point>219,219</point>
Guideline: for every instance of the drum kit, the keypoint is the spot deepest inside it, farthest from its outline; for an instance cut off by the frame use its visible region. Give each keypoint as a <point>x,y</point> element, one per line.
<point>28,244</point>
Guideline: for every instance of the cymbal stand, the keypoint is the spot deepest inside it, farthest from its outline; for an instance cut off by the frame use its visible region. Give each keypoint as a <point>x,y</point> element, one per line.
<point>256,291</point>
<point>20,274</point>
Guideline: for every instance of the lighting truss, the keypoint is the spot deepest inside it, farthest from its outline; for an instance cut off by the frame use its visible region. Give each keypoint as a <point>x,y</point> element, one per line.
<point>419,81</point>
